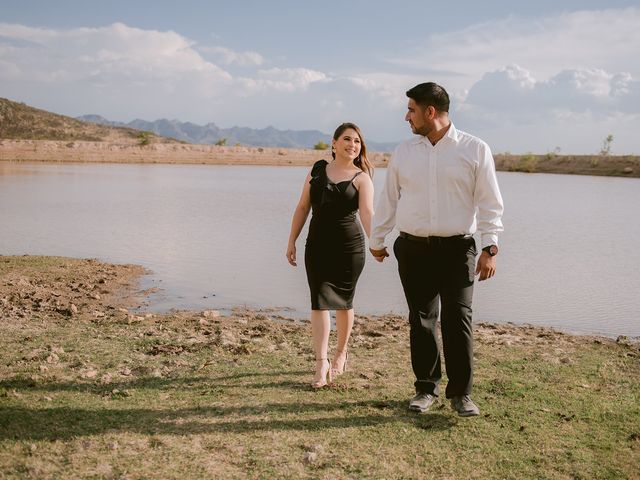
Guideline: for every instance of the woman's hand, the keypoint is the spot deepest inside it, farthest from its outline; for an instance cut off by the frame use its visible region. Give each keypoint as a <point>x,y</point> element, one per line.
<point>291,254</point>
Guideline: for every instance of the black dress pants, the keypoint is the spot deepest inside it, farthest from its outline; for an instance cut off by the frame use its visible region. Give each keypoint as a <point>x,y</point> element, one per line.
<point>437,273</point>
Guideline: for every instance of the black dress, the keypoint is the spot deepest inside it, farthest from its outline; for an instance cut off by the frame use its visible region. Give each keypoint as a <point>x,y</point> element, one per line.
<point>334,253</point>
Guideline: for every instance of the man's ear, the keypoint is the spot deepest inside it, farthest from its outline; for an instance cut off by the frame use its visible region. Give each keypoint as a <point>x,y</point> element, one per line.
<point>431,112</point>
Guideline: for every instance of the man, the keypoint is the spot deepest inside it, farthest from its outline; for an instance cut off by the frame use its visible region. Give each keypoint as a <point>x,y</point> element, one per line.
<point>440,188</point>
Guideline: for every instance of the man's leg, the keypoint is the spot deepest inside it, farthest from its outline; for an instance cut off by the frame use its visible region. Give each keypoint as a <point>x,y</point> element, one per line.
<point>420,288</point>
<point>456,319</point>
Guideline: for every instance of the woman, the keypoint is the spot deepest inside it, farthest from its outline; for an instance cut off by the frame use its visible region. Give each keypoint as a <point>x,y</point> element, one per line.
<point>334,252</point>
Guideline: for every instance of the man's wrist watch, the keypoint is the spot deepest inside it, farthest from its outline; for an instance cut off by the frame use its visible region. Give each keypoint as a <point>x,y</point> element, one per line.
<point>492,250</point>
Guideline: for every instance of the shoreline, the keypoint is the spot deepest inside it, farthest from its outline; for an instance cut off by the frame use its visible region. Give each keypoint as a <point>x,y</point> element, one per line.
<point>53,151</point>
<point>33,286</point>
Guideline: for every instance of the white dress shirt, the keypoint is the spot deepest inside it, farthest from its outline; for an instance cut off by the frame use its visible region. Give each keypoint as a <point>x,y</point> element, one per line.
<point>442,190</point>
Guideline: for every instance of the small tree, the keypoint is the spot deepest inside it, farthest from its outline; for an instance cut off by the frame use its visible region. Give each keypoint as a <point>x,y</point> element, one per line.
<point>144,138</point>
<point>320,146</point>
<point>222,142</point>
<point>606,145</point>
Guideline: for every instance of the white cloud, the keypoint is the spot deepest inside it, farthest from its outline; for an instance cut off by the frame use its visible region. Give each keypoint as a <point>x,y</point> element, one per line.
<point>513,90</point>
<point>115,53</point>
<point>512,82</point>
<point>605,39</point>
<point>573,109</point>
<point>387,87</point>
<point>231,57</point>
<point>282,80</point>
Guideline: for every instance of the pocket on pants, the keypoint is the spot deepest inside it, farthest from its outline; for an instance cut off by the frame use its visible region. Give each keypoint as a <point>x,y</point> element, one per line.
<point>471,259</point>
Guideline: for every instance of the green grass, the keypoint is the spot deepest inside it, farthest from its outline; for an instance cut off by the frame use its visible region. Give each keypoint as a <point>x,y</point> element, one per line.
<point>183,396</point>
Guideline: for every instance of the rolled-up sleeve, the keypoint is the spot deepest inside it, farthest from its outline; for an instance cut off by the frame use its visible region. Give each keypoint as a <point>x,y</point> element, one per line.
<point>488,199</point>
<point>384,218</point>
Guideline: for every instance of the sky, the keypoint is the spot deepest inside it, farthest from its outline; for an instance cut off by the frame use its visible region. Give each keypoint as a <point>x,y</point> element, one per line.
<point>545,76</point>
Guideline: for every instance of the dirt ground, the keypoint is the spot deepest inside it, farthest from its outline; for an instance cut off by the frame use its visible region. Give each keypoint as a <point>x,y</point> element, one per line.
<point>181,153</point>
<point>64,289</point>
<point>104,152</point>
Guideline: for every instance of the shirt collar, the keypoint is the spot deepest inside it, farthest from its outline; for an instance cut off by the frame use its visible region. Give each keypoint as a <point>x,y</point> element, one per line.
<point>452,135</point>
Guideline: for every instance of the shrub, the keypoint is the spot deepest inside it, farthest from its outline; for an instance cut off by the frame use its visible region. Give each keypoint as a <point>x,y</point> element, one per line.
<point>321,146</point>
<point>528,163</point>
<point>221,142</point>
<point>144,138</point>
<point>606,145</point>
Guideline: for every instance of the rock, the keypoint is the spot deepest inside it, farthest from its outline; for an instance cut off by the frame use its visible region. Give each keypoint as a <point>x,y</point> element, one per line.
<point>34,354</point>
<point>211,314</point>
<point>104,470</point>
<point>53,358</point>
<point>317,449</point>
<point>13,393</point>
<point>310,457</point>
<point>74,309</point>
<point>126,372</point>
<point>627,170</point>
<point>623,340</point>
<point>89,373</point>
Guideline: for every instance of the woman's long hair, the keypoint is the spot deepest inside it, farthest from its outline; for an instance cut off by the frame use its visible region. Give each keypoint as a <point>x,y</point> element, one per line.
<point>362,162</point>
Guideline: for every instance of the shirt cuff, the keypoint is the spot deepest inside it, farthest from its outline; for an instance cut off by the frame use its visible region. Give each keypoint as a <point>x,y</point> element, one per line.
<point>489,239</point>
<point>376,244</point>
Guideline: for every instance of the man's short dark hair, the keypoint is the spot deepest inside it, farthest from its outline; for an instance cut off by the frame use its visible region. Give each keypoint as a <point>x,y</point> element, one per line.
<point>430,94</point>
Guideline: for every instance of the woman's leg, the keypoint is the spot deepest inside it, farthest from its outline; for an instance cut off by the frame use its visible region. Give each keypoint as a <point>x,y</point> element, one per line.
<point>320,328</point>
<point>344,325</point>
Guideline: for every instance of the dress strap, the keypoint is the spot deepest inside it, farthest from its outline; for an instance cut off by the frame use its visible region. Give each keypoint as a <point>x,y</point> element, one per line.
<point>354,177</point>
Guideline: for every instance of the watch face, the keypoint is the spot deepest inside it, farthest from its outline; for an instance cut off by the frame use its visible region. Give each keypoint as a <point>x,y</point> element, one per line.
<point>493,250</point>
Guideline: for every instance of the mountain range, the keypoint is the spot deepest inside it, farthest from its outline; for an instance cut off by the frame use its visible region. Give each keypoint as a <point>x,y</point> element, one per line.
<point>211,134</point>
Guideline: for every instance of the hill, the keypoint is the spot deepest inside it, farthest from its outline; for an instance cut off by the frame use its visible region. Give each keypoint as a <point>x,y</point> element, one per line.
<point>211,134</point>
<point>19,121</point>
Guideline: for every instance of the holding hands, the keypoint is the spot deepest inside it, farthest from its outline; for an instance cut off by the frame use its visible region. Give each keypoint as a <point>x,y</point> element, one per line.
<point>379,255</point>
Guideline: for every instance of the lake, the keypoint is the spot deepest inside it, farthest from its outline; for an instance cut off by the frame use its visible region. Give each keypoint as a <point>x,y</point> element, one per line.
<point>215,238</point>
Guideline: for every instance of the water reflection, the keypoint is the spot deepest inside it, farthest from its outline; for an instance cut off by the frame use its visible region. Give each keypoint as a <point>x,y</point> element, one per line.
<point>215,237</point>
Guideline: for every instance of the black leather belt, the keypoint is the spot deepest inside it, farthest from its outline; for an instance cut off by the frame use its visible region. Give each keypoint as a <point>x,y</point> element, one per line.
<point>414,238</point>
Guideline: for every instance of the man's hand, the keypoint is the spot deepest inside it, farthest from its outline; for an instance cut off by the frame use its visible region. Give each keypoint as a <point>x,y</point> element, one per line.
<point>486,266</point>
<point>379,254</point>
